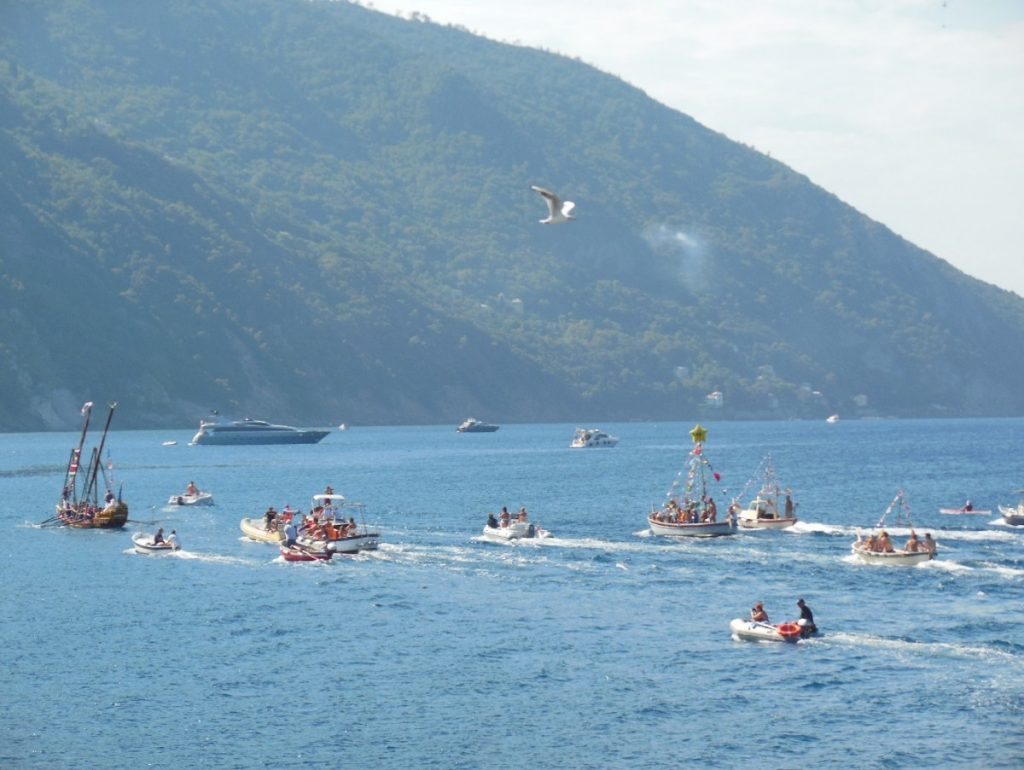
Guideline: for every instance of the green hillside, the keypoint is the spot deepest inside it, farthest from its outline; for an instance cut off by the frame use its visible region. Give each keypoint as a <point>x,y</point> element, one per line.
<point>312,212</point>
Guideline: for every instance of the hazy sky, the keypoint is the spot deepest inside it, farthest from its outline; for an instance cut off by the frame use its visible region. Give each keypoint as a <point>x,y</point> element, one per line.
<point>912,111</point>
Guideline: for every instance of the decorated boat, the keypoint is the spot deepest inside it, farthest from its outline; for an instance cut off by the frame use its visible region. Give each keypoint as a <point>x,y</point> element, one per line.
<point>878,548</point>
<point>147,544</point>
<point>588,438</point>
<point>80,508</point>
<point>752,630</point>
<point>771,508</point>
<point>689,510</point>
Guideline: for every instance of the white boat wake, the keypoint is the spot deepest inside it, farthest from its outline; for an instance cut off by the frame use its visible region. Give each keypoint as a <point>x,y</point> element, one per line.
<point>937,649</point>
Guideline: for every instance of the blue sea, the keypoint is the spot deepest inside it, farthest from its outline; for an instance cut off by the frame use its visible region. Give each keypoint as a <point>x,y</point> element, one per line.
<point>600,647</point>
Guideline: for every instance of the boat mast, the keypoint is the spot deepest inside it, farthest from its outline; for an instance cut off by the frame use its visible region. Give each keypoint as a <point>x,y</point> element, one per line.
<point>71,473</point>
<point>98,454</point>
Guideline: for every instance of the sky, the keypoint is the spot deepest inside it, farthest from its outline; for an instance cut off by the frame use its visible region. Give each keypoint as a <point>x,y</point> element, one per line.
<point>911,111</point>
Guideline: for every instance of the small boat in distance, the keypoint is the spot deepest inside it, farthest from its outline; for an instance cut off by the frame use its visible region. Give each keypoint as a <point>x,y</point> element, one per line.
<point>832,419</point>
<point>586,438</point>
<point>505,528</point>
<point>473,425</point>
<point>878,549</point>
<point>692,512</point>
<point>192,496</point>
<point>967,509</point>
<point>249,432</point>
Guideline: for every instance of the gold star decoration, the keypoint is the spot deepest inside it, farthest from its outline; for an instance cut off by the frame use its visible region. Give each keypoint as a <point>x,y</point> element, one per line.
<point>698,434</point>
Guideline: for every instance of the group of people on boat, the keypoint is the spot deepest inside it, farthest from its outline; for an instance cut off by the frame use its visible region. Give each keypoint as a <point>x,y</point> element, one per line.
<point>322,523</point>
<point>882,543</point>
<point>83,510</point>
<point>505,518</point>
<point>758,614</point>
<point>689,513</point>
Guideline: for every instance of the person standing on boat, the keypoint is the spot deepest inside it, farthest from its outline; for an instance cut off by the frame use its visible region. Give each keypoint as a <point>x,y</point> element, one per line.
<point>291,534</point>
<point>757,613</point>
<point>806,621</point>
<point>270,517</point>
<point>929,544</point>
<point>522,514</point>
<point>506,517</point>
<point>711,510</point>
<point>789,507</point>
<point>192,489</point>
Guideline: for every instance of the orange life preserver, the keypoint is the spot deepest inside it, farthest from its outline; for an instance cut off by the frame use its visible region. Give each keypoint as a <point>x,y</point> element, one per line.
<point>788,630</point>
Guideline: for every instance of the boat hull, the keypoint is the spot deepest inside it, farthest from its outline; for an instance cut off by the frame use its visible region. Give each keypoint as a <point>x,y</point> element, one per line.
<point>203,498</point>
<point>111,517</point>
<point>255,529</point>
<point>144,544</point>
<point>897,558</point>
<point>749,520</point>
<point>239,438</point>
<point>750,630</point>
<point>702,529</point>
<point>962,512</point>
<point>300,554</point>
<point>516,530</point>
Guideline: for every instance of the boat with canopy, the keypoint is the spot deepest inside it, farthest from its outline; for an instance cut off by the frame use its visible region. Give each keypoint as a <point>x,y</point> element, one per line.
<point>771,508</point>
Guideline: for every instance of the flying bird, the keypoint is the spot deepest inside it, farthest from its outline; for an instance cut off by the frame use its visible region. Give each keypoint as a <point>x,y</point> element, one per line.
<point>559,211</point>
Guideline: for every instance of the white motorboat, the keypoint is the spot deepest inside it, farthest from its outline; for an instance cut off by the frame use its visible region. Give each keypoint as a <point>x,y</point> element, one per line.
<point>1013,516</point>
<point>473,425</point>
<point>256,529</point>
<point>144,544</point>
<point>247,431</point>
<point>771,508</point>
<point>515,530</point>
<point>877,548</point>
<point>199,498</point>
<point>832,419</point>
<point>330,509</point>
<point>752,630</point>
<point>689,509</point>
<point>587,438</point>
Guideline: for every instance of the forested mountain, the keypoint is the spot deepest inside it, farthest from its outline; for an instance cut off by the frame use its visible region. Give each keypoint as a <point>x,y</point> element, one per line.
<point>312,212</point>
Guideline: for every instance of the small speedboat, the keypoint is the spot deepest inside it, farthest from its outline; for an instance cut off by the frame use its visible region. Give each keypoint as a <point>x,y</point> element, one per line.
<point>199,498</point>
<point>587,438</point>
<point>144,544</point>
<point>515,530</point>
<point>754,631</point>
<point>298,553</point>
<point>1013,516</point>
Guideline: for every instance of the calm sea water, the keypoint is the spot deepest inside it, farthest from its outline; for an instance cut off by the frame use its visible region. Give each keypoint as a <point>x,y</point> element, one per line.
<point>599,648</point>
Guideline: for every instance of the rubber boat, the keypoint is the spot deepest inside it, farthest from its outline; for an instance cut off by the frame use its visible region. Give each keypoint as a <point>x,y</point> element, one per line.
<point>144,544</point>
<point>689,510</point>
<point>1013,516</point>
<point>751,630</point>
<point>516,530</point>
<point>256,529</point>
<point>964,512</point>
<point>587,438</point>
<point>199,498</point>
<point>297,553</point>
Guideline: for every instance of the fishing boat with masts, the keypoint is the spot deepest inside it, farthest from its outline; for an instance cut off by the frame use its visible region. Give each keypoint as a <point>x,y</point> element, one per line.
<point>771,508</point>
<point>877,548</point>
<point>84,510</point>
<point>689,511</point>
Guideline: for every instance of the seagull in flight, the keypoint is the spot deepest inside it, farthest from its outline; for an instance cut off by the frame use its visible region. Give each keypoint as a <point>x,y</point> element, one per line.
<point>559,211</point>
